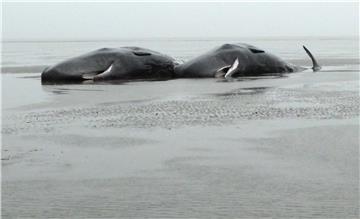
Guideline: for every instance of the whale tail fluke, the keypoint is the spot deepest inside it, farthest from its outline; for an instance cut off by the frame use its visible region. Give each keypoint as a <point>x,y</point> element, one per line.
<point>316,66</point>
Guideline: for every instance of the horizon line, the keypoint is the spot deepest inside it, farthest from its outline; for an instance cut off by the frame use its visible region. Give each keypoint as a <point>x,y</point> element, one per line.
<point>173,38</point>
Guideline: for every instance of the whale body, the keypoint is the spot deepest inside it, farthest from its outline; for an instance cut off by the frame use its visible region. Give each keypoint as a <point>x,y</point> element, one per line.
<point>112,63</point>
<point>235,60</point>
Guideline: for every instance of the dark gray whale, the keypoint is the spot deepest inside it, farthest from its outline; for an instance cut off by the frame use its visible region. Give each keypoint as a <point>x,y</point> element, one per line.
<point>234,60</point>
<point>112,63</point>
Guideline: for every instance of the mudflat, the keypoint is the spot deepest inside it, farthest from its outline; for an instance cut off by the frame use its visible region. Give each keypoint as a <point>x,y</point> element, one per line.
<point>276,146</point>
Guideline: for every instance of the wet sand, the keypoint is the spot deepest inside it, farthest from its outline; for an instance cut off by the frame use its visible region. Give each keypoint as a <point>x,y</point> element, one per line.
<point>271,147</point>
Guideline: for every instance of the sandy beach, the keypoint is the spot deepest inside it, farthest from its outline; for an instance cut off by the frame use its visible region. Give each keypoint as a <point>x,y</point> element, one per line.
<point>84,134</point>
<point>271,147</point>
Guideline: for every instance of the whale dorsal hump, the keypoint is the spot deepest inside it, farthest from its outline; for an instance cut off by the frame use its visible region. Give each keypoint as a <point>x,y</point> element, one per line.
<point>141,53</point>
<point>255,50</point>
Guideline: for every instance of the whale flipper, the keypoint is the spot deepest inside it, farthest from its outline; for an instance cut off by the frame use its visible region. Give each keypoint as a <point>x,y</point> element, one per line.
<point>316,66</point>
<point>92,76</point>
<point>232,69</point>
<point>224,69</point>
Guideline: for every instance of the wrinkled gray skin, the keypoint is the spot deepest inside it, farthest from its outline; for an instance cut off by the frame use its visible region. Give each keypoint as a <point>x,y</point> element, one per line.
<point>126,63</point>
<point>252,62</point>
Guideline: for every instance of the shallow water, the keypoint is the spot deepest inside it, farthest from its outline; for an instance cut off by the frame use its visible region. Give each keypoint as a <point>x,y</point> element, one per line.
<point>253,147</point>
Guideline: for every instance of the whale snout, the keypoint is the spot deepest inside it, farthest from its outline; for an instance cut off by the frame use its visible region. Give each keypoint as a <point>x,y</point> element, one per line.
<point>48,74</point>
<point>51,74</point>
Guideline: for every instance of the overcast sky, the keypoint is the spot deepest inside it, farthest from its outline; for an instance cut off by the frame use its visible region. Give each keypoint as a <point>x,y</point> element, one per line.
<point>139,20</point>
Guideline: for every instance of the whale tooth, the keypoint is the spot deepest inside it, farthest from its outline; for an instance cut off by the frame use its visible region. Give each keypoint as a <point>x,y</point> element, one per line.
<point>232,69</point>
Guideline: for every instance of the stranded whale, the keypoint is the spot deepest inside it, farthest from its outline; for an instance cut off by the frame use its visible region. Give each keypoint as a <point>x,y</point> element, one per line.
<point>235,60</point>
<point>228,60</point>
<point>112,63</point>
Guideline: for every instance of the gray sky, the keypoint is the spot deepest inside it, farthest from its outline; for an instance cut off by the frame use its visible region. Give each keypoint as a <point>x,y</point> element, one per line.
<point>137,20</point>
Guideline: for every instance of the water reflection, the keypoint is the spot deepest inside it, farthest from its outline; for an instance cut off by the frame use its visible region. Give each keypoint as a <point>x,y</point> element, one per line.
<point>61,90</point>
<point>107,82</point>
<point>244,91</point>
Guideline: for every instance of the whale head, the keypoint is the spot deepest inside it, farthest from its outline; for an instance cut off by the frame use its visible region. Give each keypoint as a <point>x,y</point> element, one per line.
<point>79,68</point>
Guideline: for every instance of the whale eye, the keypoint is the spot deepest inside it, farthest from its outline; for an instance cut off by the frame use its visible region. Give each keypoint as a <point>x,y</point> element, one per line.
<point>139,53</point>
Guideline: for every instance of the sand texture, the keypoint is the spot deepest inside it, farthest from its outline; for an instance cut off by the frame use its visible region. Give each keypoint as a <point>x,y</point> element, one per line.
<point>271,147</point>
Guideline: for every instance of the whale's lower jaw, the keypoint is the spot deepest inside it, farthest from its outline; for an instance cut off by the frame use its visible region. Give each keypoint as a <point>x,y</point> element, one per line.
<point>58,79</point>
<point>52,77</point>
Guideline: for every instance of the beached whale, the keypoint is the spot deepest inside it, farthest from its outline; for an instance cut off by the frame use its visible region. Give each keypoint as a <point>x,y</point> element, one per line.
<point>112,63</point>
<point>235,60</point>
